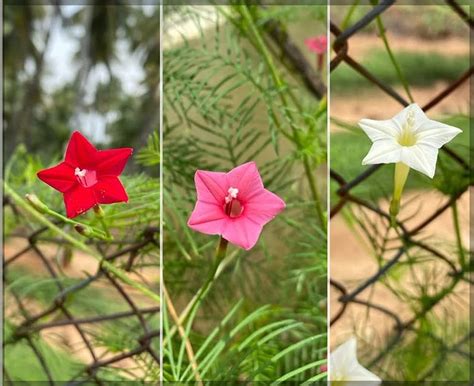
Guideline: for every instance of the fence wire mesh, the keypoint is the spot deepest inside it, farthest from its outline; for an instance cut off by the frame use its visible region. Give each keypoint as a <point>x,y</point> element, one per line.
<point>35,320</point>
<point>409,237</point>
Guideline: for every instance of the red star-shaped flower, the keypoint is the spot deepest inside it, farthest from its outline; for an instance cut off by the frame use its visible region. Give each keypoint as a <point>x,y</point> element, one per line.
<point>87,176</point>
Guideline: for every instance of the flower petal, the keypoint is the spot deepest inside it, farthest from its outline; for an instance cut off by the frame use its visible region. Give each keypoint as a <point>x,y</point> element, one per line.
<point>317,44</point>
<point>109,190</point>
<point>242,231</point>
<point>435,134</point>
<point>377,130</point>
<point>80,152</point>
<point>343,357</point>
<point>263,207</point>
<point>247,179</point>
<point>112,161</point>
<point>421,158</point>
<point>345,366</point>
<point>208,218</point>
<point>360,373</point>
<point>211,187</point>
<point>383,151</point>
<point>78,200</point>
<point>61,177</point>
<point>419,116</point>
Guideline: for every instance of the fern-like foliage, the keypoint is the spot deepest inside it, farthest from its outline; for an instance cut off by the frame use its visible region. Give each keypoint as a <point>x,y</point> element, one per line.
<point>229,100</point>
<point>29,282</point>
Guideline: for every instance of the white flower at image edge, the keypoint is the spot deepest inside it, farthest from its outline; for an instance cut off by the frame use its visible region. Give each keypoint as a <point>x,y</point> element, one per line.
<point>409,137</point>
<point>345,369</point>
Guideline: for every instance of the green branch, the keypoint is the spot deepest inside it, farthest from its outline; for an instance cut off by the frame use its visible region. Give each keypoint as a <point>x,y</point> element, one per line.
<point>119,273</point>
<point>401,77</point>
<point>280,85</point>
<point>457,229</point>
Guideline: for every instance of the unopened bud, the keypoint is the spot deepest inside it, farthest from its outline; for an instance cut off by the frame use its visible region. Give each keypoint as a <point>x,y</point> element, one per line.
<point>99,212</point>
<point>322,304</point>
<point>36,203</point>
<point>83,230</point>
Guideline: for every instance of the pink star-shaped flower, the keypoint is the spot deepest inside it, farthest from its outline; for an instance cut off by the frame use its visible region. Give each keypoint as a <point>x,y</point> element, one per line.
<point>234,205</point>
<point>87,176</point>
<point>317,44</point>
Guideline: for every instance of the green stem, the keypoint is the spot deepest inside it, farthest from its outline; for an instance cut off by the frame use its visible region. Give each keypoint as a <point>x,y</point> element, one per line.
<point>99,214</point>
<point>105,228</point>
<point>457,229</point>
<point>95,233</point>
<point>220,255</point>
<point>79,244</point>
<point>292,95</point>
<point>192,306</point>
<point>273,116</point>
<point>400,178</point>
<point>84,229</point>
<point>280,85</point>
<point>349,14</point>
<point>401,77</point>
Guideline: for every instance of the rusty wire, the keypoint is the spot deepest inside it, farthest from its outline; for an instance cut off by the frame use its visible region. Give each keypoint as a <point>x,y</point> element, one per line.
<point>341,47</point>
<point>32,324</point>
<point>58,312</point>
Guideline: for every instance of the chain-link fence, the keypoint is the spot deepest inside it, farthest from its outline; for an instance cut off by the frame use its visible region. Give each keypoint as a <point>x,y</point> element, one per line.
<point>34,318</point>
<point>408,239</point>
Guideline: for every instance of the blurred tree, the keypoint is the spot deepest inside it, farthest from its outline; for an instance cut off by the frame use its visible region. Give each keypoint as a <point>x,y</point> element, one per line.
<point>132,120</point>
<point>41,118</point>
<point>142,31</point>
<point>24,63</point>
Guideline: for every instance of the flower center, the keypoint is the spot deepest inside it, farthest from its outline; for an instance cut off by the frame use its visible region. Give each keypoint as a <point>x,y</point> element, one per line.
<point>407,137</point>
<point>339,379</point>
<point>86,178</point>
<point>233,207</point>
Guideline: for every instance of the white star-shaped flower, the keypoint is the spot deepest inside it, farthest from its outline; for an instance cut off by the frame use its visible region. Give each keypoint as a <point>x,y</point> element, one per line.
<point>344,368</point>
<point>409,137</point>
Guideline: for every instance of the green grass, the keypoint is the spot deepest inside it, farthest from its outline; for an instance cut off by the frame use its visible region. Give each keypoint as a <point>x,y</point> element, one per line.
<point>23,365</point>
<point>420,69</point>
<point>349,148</point>
<point>418,354</point>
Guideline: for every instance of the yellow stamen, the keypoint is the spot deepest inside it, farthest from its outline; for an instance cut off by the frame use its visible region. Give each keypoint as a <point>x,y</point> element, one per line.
<point>407,136</point>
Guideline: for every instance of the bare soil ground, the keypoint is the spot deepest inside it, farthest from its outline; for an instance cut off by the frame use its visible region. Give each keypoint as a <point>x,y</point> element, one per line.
<point>376,105</point>
<point>362,44</point>
<point>352,262</point>
<point>81,265</point>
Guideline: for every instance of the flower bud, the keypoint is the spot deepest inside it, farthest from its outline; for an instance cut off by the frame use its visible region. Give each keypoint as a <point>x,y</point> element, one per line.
<point>83,230</point>
<point>322,304</point>
<point>99,212</point>
<point>36,203</point>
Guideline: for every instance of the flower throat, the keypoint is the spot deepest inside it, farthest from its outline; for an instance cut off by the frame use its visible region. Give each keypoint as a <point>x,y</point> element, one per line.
<point>407,137</point>
<point>86,178</point>
<point>233,207</point>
